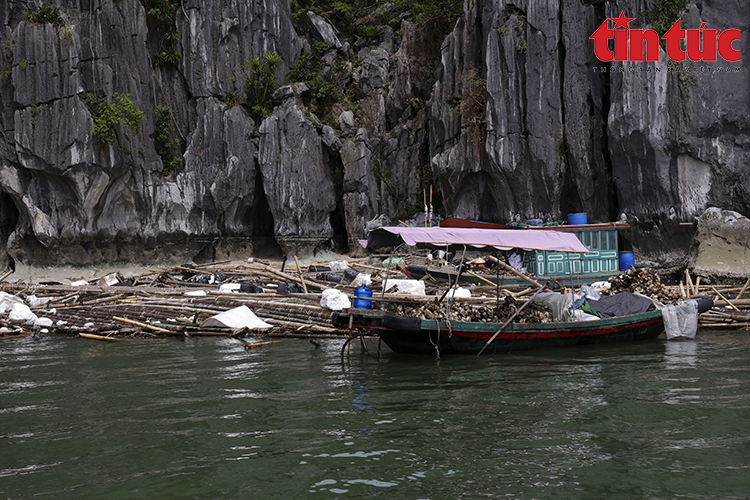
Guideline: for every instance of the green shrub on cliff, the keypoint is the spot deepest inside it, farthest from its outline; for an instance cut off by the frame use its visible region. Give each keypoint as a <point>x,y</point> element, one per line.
<point>45,15</point>
<point>166,147</point>
<point>260,82</point>
<point>164,12</point>
<point>662,14</point>
<point>106,115</point>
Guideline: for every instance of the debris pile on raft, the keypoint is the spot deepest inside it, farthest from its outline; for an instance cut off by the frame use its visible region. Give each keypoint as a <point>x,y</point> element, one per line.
<point>646,282</point>
<point>532,313</point>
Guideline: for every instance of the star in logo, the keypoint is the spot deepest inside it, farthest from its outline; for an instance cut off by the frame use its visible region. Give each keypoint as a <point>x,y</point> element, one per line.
<point>621,21</point>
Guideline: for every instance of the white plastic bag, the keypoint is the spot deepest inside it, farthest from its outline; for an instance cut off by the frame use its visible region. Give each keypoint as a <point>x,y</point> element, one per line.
<point>20,313</point>
<point>362,279</point>
<point>405,287</point>
<point>590,292</point>
<point>458,292</point>
<point>334,300</point>
<point>680,320</point>
<point>7,301</point>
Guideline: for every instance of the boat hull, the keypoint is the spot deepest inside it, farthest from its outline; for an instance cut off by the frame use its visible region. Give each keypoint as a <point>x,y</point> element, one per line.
<point>414,336</point>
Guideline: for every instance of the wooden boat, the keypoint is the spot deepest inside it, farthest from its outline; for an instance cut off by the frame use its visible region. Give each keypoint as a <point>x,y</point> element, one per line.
<point>419,336</point>
<point>424,336</point>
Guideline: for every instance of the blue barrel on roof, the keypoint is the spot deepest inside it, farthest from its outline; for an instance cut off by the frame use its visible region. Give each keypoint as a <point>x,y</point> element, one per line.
<point>626,260</point>
<point>577,219</point>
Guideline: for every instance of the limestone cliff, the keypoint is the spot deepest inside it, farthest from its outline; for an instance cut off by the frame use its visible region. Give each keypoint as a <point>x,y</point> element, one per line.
<point>507,112</point>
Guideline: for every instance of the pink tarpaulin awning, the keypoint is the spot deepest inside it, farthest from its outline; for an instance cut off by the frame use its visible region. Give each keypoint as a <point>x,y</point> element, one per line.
<point>501,239</point>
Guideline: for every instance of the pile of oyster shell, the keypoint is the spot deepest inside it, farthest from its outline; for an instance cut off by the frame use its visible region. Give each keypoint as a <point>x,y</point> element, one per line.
<point>646,282</point>
<point>462,311</point>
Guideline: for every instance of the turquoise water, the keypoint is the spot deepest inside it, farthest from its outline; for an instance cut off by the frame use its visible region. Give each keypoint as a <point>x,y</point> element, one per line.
<point>206,419</point>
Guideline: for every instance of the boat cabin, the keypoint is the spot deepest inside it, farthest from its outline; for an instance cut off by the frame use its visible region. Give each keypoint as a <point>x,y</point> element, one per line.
<point>602,241</point>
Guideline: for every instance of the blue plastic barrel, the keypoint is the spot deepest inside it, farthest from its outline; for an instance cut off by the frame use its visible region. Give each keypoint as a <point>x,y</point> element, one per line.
<point>362,291</point>
<point>577,219</point>
<point>626,260</point>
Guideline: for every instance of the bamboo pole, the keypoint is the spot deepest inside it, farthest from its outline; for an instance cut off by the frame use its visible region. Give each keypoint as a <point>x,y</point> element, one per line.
<point>6,337</point>
<point>260,344</point>
<point>743,289</point>
<point>502,327</point>
<point>513,270</point>
<point>289,277</point>
<point>99,337</point>
<point>10,271</point>
<point>485,280</point>
<point>142,325</point>
<point>726,326</point>
<point>299,271</point>
<point>688,282</point>
<point>725,299</point>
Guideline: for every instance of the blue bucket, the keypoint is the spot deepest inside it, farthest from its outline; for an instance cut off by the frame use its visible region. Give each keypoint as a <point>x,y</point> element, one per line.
<point>626,260</point>
<point>577,219</point>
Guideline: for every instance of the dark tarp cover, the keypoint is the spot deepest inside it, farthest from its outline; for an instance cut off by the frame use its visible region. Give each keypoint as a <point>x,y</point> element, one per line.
<point>621,304</point>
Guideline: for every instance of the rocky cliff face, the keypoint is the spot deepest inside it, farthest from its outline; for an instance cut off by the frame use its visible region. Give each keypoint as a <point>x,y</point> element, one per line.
<point>510,116</point>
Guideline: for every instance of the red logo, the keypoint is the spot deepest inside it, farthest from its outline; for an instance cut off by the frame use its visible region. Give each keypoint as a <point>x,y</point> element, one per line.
<point>695,45</point>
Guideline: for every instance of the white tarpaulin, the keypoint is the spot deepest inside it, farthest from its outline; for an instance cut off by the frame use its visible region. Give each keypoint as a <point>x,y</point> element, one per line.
<point>239,317</point>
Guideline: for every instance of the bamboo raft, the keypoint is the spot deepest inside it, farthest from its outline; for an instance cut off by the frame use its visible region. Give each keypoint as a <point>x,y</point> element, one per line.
<point>159,303</point>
